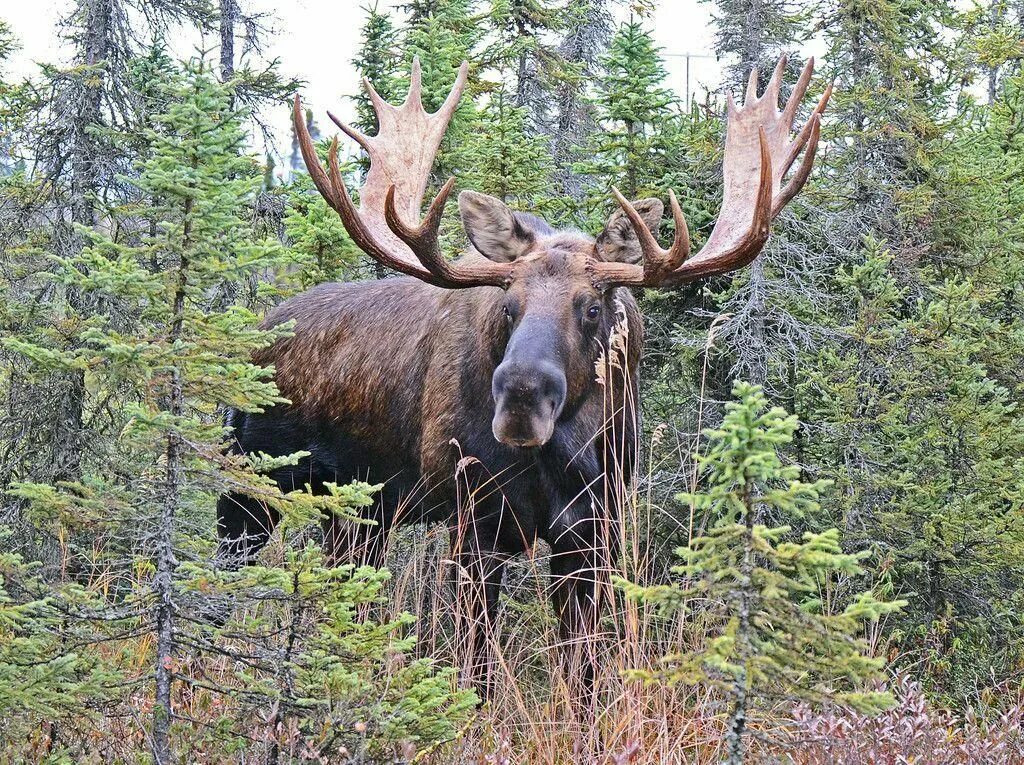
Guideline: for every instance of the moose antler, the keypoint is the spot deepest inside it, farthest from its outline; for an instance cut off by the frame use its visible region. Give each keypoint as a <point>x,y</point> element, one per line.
<point>759,151</point>
<point>401,156</point>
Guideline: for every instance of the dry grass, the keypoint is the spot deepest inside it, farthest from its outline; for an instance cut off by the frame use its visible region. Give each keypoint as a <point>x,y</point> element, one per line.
<point>534,716</point>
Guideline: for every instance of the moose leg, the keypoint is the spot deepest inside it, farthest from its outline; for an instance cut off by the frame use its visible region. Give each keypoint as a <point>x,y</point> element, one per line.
<point>244,526</point>
<point>580,561</point>
<point>479,572</point>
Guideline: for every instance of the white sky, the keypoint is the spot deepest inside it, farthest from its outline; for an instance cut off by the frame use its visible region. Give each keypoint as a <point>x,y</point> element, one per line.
<point>317,38</point>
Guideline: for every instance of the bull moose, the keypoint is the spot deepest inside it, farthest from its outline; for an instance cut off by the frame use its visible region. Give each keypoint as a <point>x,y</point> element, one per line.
<point>496,392</point>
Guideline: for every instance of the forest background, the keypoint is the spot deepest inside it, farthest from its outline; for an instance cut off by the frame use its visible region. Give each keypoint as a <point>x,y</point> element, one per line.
<point>146,225</point>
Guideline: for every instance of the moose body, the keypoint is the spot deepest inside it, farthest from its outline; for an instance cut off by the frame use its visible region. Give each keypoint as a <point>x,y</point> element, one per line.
<point>497,392</point>
<point>392,381</point>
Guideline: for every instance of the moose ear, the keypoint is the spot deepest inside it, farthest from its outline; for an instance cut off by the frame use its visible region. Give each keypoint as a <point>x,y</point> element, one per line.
<point>493,228</point>
<point>618,241</point>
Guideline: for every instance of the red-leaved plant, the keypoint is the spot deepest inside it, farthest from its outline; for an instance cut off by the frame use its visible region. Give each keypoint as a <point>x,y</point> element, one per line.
<point>913,732</point>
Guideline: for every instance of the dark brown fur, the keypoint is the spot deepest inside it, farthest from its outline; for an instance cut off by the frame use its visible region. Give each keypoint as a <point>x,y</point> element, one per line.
<point>390,381</point>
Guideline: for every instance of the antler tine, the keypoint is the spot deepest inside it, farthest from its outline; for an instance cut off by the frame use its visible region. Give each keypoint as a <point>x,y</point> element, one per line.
<point>423,241</point>
<point>805,131</point>
<point>653,255</point>
<point>378,103</point>
<point>415,83</point>
<point>360,138</point>
<point>797,96</point>
<point>730,105</point>
<point>775,83</point>
<point>681,243</point>
<point>763,207</point>
<point>452,102</point>
<point>793,186</point>
<point>656,261</point>
<point>309,155</point>
<point>751,95</point>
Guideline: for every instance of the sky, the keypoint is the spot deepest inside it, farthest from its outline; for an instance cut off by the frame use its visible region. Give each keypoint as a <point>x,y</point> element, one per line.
<point>316,39</point>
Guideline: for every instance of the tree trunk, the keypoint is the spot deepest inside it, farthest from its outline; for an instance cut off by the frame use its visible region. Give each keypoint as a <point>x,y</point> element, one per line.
<point>67,441</point>
<point>736,730</point>
<point>228,19</point>
<point>995,18</point>
<point>166,563</point>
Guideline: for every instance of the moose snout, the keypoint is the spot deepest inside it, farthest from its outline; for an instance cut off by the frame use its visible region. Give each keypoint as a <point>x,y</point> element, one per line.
<point>528,399</point>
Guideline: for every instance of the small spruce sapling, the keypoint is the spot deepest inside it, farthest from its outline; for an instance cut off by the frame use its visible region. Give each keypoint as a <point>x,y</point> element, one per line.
<point>762,589</point>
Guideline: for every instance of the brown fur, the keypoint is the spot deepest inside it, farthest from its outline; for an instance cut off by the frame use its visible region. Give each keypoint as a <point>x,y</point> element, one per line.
<point>391,381</point>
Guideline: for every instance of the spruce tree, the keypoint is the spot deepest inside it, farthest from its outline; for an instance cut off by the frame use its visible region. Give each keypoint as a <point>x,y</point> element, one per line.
<point>633,107</point>
<point>753,34</point>
<point>922,337</point>
<point>764,589</point>
<point>377,60</point>
<point>166,374</point>
<point>504,157</point>
<point>522,47</point>
<point>930,445</point>
<point>586,30</point>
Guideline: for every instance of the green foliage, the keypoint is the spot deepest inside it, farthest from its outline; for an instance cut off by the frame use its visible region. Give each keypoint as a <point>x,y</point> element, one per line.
<point>40,678</point>
<point>319,247</point>
<point>173,349</point>
<point>885,313</point>
<point>504,160</point>
<point>763,592</point>
<point>377,60</point>
<point>321,674</point>
<point>636,111</point>
<point>936,486</point>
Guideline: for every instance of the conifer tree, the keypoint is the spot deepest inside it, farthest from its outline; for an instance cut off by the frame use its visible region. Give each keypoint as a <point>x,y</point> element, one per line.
<point>918,244</point>
<point>633,107</point>
<point>44,680</point>
<point>931,448</point>
<point>189,358</point>
<point>506,159</point>
<point>522,32</point>
<point>377,60</point>
<point>755,33</point>
<point>586,30</point>
<point>79,140</point>
<point>167,372</point>
<point>778,637</point>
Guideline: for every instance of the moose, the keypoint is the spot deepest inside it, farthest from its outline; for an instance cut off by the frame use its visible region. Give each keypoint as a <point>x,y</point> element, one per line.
<point>497,392</point>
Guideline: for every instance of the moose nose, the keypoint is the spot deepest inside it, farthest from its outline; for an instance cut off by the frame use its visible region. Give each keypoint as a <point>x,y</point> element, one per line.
<point>528,398</point>
<point>538,387</point>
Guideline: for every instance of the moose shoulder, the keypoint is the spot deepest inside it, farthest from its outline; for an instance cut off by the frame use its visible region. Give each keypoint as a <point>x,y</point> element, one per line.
<point>497,392</point>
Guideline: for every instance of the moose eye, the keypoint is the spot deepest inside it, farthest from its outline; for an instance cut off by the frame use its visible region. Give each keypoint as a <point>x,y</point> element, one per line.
<point>507,313</point>
<point>593,312</point>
